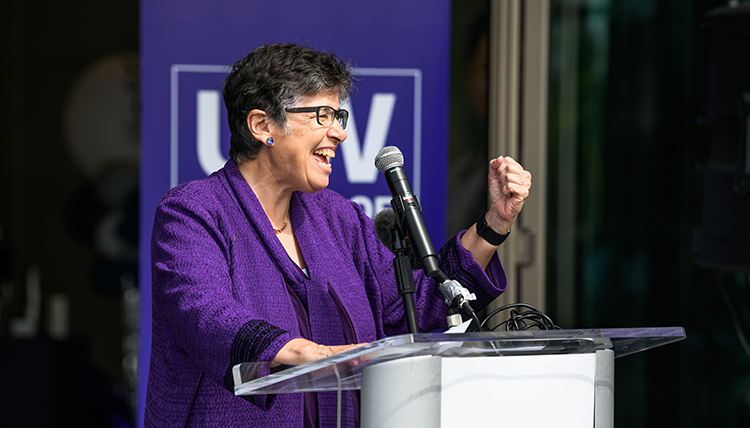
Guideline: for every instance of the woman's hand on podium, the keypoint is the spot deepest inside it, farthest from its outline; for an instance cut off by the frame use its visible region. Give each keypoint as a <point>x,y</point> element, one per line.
<point>300,351</point>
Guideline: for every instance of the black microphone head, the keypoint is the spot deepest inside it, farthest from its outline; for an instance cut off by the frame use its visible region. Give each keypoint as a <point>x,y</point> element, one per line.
<point>388,157</point>
<point>385,222</point>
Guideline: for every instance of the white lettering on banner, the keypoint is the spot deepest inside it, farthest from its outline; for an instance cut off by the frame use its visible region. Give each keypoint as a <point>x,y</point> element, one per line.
<point>208,131</point>
<point>359,158</point>
<point>371,207</point>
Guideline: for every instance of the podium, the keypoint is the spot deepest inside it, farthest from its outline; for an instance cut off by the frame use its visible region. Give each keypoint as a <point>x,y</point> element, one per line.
<point>539,378</point>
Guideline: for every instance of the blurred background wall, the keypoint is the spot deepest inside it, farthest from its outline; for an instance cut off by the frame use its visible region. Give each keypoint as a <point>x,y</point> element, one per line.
<point>68,213</point>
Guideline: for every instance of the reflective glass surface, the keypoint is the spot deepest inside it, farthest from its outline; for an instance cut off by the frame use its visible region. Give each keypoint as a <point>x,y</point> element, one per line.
<point>343,371</point>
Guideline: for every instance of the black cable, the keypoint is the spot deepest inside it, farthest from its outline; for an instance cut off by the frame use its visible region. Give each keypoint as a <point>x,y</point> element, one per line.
<point>469,310</point>
<point>476,320</point>
<point>496,327</point>
<point>520,320</point>
<point>513,326</point>
<point>510,306</point>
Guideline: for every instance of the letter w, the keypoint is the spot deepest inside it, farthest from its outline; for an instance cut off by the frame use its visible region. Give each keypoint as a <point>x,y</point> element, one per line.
<point>359,159</point>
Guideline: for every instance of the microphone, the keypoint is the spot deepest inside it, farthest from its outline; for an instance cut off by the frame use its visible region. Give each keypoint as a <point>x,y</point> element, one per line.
<point>385,225</point>
<point>390,162</point>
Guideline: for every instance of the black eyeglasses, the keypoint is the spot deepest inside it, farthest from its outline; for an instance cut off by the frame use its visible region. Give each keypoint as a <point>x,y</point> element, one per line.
<point>325,114</point>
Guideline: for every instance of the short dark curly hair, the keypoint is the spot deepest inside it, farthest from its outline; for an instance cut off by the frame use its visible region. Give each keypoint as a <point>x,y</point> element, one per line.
<point>272,78</point>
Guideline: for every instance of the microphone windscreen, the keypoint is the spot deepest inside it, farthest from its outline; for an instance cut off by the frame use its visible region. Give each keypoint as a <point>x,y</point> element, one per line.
<point>385,221</point>
<point>388,157</point>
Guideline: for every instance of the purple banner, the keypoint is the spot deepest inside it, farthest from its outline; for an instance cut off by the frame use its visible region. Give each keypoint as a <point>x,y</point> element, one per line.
<point>400,51</point>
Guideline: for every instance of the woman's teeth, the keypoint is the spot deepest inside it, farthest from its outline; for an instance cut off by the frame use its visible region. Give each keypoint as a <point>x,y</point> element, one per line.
<point>327,154</point>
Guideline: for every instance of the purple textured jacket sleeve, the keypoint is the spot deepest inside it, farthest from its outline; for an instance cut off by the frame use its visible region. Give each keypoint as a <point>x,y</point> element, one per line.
<point>193,293</point>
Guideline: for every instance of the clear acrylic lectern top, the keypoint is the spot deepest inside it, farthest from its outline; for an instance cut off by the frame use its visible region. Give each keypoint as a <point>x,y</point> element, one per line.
<point>343,371</point>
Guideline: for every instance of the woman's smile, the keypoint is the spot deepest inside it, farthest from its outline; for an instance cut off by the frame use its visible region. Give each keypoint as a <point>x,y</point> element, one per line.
<point>323,156</point>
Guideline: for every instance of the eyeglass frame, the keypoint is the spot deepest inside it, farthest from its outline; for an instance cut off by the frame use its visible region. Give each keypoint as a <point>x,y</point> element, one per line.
<point>343,120</point>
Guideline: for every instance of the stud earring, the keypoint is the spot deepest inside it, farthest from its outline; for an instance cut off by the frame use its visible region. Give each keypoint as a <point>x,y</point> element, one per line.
<point>270,141</point>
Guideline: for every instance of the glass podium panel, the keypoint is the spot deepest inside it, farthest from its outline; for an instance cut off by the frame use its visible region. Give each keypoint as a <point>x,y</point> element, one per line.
<point>343,371</point>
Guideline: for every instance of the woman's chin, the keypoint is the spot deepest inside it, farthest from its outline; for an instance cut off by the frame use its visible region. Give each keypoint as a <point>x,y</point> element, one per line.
<point>318,184</point>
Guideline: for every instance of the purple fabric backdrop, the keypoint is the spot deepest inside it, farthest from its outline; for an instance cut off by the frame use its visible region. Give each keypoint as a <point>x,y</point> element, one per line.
<point>400,49</point>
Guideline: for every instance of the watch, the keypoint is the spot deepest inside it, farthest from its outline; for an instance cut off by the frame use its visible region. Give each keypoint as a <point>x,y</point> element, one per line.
<point>489,235</point>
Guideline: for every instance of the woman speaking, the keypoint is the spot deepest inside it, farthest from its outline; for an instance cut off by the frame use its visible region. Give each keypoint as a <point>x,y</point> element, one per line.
<point>260,262</point>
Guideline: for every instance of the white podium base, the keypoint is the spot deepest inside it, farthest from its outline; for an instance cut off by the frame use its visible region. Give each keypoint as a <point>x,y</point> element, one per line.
<point>566,390</point>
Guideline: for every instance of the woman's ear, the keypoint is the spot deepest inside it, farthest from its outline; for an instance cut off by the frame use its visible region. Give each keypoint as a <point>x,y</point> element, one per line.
<point>259,124</point>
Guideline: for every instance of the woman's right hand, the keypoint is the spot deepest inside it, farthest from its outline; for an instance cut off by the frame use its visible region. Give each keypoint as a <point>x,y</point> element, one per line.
<point>300,351</point>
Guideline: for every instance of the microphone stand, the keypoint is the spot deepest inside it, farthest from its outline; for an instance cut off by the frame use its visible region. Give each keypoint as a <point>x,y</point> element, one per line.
<point>404,278</point>
<point>455,295</point>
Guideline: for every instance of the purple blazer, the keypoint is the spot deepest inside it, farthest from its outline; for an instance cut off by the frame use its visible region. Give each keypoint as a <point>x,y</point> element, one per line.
<point>220,281</point>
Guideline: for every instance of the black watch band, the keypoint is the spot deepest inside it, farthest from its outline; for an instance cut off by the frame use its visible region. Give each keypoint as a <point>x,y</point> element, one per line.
<point>488,234</point>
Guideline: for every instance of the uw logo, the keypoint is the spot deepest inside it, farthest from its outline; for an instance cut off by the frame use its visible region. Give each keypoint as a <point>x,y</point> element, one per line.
<point>389,99</point>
